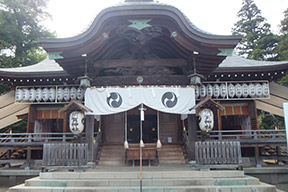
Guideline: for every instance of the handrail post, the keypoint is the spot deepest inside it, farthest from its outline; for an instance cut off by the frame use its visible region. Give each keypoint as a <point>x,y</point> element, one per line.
<point>64,138</point>
<point>29,137</point>
<point>220,136</point>
<point>255,134</point>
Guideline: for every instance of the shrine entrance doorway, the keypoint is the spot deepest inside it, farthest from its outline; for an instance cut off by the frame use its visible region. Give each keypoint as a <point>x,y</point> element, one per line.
<point>149,126</point>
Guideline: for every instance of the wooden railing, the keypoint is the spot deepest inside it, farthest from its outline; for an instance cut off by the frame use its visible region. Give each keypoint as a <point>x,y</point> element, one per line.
<point>33,139</point>
<point>218,154</point>
<point>248,136</point>
<point>65,155</point>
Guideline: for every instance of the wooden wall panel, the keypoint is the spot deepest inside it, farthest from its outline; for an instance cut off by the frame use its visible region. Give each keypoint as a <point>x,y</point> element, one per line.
<point>114,128</point>
<point>169,125</point>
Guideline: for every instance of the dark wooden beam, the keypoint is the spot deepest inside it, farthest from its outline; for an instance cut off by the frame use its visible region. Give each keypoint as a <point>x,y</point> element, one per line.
<point>90,136</point>
<point>130,63</point>
<point>148,80</point>
<point>192,136</point>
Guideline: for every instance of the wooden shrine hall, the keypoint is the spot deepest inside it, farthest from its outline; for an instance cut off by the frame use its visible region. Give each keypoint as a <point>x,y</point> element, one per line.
<point>142,75</point>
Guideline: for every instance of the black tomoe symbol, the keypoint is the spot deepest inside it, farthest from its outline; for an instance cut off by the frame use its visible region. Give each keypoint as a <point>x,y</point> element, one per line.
<point>169,99</point>
<point>114,100</point>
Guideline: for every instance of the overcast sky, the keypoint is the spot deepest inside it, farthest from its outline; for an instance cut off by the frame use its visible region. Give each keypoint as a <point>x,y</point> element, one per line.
<point>72,17</point>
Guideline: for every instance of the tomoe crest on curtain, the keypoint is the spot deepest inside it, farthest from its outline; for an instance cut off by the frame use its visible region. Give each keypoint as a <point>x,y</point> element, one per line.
<point>169,99</point>
<point>114,100</point>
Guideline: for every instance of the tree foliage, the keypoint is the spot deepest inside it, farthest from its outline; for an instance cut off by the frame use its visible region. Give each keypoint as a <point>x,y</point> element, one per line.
<point>282,47</point>
<point>258,41</point>
<point>20,29</point>
<point>270,121</point>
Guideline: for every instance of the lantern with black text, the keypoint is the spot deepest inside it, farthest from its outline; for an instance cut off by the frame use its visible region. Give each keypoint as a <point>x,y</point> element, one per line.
<point>32,94</point>
<point>60,94</point>
<point>19,95</point>
<point>25,95</point>
<point>45,94</point>
<point>73,93</point>
<point>66,92</point>
<point>38,94</point>
<point>52,94</point>
<point>223,90</point>
<point>209,90</point>
<point>76,122</point>
<point>80,94</point>
<point>206,120</point>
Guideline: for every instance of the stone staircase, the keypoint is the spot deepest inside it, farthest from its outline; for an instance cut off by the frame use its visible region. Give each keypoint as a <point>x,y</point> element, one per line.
<point>171,154</point>
<point>113,155</point>
<point>156,179</point>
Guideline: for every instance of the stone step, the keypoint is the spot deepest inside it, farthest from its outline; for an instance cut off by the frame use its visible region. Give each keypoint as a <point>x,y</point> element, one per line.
<point>171,161</point>
<point>171,156</point>
<point>146,182</point>
<point>111,158</point>
<point>111,162</point>
<point>146,174</point>
<point>112,155</point>
<point>173,147</point>
<point>207,188</point>
<point>170,153</point>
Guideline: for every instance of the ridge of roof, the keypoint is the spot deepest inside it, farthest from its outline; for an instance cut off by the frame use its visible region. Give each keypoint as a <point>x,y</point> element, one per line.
<point>238,61</point>
<point>45,65</point>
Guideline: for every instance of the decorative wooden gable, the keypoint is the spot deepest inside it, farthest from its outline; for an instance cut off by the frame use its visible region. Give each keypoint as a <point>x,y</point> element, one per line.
<point>209,103</point>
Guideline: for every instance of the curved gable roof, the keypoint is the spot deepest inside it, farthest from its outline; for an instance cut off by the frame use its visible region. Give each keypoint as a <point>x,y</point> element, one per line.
<point>142,9</point>
<point>237,63</point>
<point>44,68</point>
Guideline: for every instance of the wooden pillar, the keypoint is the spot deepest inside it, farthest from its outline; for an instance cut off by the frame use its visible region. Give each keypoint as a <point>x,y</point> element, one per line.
<point>90,136</point>
<point>257,156</point>
<point>65,121</point>
<point>28,156</point>
<point>192,136</point>
<point>253,115</point>
<point>31,119</point>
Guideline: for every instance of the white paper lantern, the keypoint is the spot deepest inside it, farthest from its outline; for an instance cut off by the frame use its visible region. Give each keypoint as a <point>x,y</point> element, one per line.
<point>266,90</point>
<point>259,90</point>
<point>66,94</point>
<point>251,90</point>
<point>38,96</point>
<point>209,90</point>
<point>52,94</point>
<point>223,90</point>
<point>245,90</point>
<point>80,94</point>
<point>231,90</point>
<point>19,95</point>
<point>216,90</point>
<point>25,96</point>
<point>206,118</point>
<point>73,93</point>
<point>76,122</point>
<point>60,94</point>
<point>45,94</point>
<point>32,94</point>
<point>238,90</point>
<point>202,91</point>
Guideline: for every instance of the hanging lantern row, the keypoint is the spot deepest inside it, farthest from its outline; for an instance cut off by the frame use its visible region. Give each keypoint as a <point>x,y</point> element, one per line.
<point>52,94</point>
<point>233,90</point>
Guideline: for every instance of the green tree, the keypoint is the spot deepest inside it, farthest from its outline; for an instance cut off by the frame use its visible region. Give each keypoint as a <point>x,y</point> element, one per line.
<point>258,42</point>
<point>19,30</point>
<point>270,121</point>
<point>281,50</point>
<point>282,47</point>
